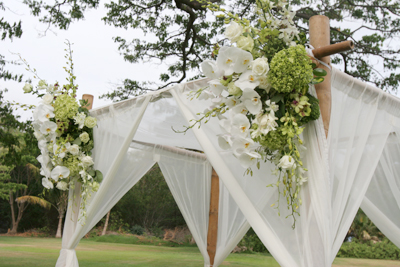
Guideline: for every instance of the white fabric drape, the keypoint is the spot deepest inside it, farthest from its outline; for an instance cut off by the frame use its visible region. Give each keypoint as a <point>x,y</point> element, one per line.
<point>382,200</point>
<point>188,177</point>
<point>116,127</point>
<point>340,170</point>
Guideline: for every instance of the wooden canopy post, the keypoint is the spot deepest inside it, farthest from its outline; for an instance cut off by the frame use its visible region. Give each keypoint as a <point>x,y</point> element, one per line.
<point>320,37</point>
<point>89,98</point>
<point>213,217</point>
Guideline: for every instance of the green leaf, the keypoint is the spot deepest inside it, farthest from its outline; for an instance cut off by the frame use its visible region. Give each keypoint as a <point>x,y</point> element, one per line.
<point>320,72</point>
<point>317,80</point>
<point>277,98</point>
<point>313,65</point>
<point>77,141</point>
<point>99,176</point>
<point>92,173</point>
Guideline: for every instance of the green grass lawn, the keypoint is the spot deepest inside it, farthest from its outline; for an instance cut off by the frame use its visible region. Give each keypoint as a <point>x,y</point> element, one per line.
<point>43,252</point>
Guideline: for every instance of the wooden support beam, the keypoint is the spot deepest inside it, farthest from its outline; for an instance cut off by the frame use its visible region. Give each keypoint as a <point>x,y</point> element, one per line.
<point>320,37</point>
<point>333,49</point>
<point>89,98</point>
<point>213,217</point>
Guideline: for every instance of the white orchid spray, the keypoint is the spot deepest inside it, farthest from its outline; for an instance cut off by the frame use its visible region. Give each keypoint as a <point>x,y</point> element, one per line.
<point>258,89</point>
<point>64,130</point>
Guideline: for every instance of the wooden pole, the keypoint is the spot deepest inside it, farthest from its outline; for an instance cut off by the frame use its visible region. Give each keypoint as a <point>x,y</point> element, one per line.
<point>333,49</point>
<point>89,98</point>
<point>320,37</point>
<point>213,217</point>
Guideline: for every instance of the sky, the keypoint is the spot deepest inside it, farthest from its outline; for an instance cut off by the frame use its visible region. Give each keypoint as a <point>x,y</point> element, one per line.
<point>98,64</point>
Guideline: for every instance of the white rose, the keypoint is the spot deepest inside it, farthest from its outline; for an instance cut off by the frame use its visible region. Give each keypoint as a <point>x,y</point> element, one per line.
<point>286,162</point>
<point>260,66</point>
<point>47,99</point>
<point>245,43</point>
<point>87,161</point>
<point>90,122</point>
<point>233,31</point>
<point>62,186</point>
<point>74,150</point>
<point>84,137</point>
<point>27,88</point>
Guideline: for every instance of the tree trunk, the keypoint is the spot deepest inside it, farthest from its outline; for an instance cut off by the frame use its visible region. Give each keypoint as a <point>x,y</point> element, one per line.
<point>58,234</point>
<point>106,223</point>
<point>14,223</point>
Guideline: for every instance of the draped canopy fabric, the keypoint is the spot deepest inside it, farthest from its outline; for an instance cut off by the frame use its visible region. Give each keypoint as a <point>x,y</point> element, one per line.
<point>362,148</point>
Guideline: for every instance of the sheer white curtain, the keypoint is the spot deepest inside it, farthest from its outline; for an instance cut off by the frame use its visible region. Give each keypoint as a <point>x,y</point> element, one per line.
<point>382,200</point>
<point>116,126</point>
<point>340,170</point>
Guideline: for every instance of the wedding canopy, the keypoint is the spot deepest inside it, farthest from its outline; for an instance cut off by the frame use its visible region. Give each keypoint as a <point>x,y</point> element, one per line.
<point>358,164</point>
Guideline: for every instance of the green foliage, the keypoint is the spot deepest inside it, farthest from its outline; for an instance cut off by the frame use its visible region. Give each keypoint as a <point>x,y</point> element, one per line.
<point>137,230</point>
<point>380,250</point>
<point>8,30</point>
<point>252,242</point>
<point>149,203</point>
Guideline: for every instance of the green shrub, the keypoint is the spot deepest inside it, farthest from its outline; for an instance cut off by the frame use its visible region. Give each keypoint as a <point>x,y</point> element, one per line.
<point>252,242</point>
<point>137,230</point>
<point>380,250</point>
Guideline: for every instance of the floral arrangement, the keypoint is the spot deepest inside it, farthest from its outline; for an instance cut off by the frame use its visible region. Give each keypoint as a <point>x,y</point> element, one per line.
<point>64,130</point>
<point>259,92</point>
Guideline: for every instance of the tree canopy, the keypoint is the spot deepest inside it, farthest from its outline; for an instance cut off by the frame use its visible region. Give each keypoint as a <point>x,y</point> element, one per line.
<point>184,33</point>
<point>8,30</point>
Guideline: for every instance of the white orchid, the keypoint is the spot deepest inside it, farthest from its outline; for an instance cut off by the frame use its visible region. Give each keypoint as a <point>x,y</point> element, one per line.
<point>252,101</point>
<point>48,127</point>
<point>242,145</point>
<point>47,183</point>
<point>248,159</point>
<point>233,60</point>
<point>240,125</point>
<point>210,70</point>
<point>60,172</point>
<point>248,80</point>
<point>216,87</point>
<point>225,141</point>
<point>43,113</point>
<point>240,108</point>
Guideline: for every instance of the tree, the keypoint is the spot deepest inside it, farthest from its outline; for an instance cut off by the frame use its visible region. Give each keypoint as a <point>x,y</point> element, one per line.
<point>184,34</point>
<point>8,30</point>
<point>56,198</point>
<point>18,159</point>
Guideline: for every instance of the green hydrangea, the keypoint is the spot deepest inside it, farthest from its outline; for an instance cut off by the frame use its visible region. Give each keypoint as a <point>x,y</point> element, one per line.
<point>290,69</point>
<point>315,112</point>
<point>274,140</point>
<point>72,163</point>
<point>65,107</point>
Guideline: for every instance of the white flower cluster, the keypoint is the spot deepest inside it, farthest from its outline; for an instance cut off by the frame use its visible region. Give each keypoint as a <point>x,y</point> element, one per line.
<point>52,152</point>
<point>234,77</point>
<point>284,23</point>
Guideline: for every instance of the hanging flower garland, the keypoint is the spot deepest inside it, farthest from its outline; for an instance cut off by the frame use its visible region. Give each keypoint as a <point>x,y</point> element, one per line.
<point>64,130</point>
<point>259,92</point>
